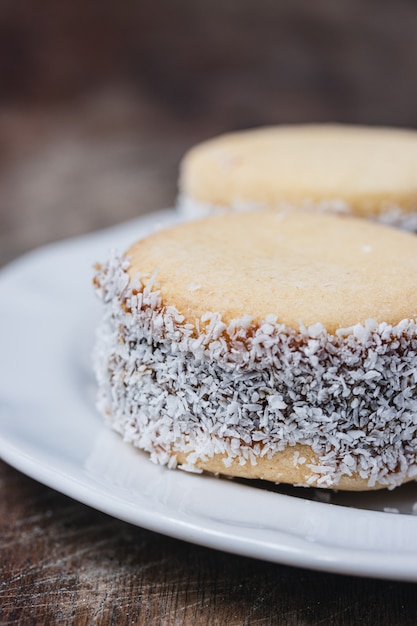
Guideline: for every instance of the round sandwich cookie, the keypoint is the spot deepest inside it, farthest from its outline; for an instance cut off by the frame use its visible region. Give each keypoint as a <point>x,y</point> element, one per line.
<point>280,346</point>
<point>368,172</point>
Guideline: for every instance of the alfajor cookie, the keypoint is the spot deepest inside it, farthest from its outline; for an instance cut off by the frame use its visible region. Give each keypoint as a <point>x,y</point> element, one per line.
<point>269,345</point>
<point>369,172</point>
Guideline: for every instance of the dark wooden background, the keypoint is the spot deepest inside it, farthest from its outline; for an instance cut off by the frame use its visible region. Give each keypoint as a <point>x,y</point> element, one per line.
<point>98,102</point>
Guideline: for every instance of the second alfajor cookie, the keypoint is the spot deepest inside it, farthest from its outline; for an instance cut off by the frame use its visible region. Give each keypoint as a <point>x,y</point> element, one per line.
<point>369,172</point>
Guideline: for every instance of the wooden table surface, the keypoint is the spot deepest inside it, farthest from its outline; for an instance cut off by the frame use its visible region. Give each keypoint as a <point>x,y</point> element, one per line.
<point>82,161</point>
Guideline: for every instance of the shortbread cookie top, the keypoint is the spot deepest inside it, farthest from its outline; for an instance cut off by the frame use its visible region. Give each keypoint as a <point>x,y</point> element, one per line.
<point>305,269</point>
<point>366,170</point>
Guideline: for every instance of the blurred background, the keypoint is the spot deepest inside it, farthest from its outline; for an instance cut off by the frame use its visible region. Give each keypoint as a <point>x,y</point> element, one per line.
<point>99,99</point>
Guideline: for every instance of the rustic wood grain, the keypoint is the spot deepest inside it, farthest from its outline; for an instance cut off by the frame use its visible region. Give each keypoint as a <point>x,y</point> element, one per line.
<point>64,563</point>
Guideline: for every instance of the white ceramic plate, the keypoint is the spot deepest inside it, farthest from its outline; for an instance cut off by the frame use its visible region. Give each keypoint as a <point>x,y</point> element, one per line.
<point>50,430</point>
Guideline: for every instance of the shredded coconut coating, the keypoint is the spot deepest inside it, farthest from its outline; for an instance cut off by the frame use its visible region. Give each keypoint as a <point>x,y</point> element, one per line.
<point>390,215</point>
<point>247,390</point>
